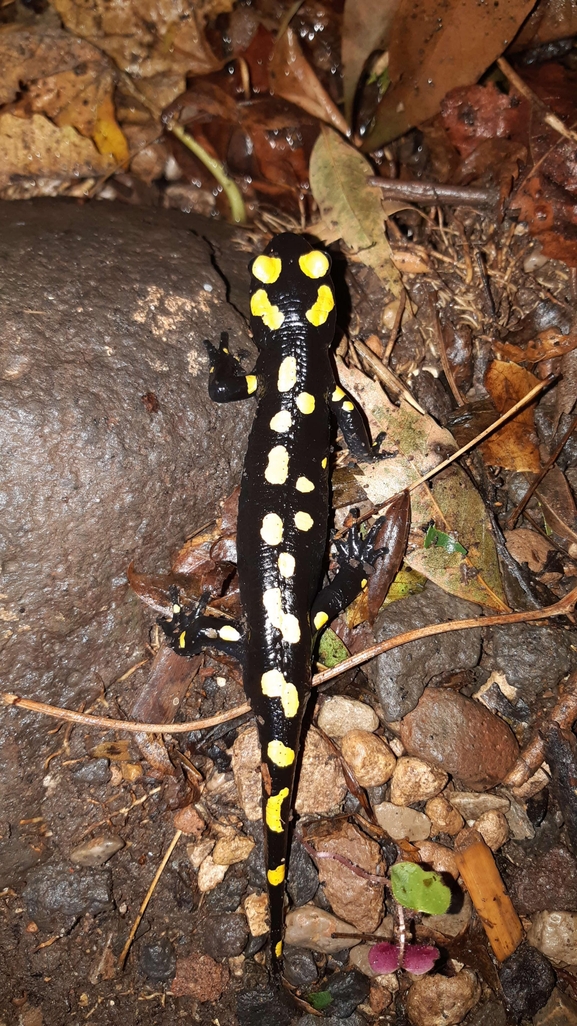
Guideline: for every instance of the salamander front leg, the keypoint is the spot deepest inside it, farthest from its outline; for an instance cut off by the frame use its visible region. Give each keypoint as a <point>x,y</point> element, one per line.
<point>189,633</point>
<point>351,422</point>
<point>227,381</point>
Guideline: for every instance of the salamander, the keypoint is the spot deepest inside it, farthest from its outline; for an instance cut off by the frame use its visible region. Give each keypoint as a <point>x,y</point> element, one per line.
<point>283,521</point>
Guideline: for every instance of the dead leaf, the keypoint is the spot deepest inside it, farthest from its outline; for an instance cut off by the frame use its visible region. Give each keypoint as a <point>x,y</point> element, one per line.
<point>514,446</point>
<point>559,508</point>
<point>436,45</point>
<point>116,751</point>
<point>526,546</point>
<point>36,147</point>
<point>292,77</point>
<point>366,26</point>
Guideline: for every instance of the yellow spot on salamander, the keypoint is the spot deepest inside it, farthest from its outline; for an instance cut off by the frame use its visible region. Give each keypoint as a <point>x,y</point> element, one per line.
<point>273,810</point>
<point>290,627</point>
<point>228,633</point>
<point>303,521</point>
<point>251,383</point>
<point>261,306</point>
<point>349,406</point>
<point>281,421</point>
<point>337,395</point>
<point>324,463</point>
<point>276,472</point>
<point>271,531</point>
<point>286,564</point>
<point>280,754</point>
<point>304,485</point>
<point>182,640</point>
<point>278,949</point>
<point>176,608</point>
<point>271,600</point>
<point>225,350</point>
<point>287,374</point>
<point>320,310</point>
<point>266,269</point>
<point>276,876</point>
<point>273,685</point>
<point>314,264</point>
<point>364,582</point>
<point>320,620</point>
<point>305,402</point>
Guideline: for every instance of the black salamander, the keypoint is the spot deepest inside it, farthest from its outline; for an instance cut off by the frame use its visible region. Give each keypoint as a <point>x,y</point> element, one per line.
<point>283,521</point>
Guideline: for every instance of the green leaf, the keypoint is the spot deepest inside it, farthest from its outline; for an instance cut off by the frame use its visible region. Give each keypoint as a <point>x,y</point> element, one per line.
<point>444,541</point>
<point>331,650</point>
<point>415,888</point>
<point>320,1000</point>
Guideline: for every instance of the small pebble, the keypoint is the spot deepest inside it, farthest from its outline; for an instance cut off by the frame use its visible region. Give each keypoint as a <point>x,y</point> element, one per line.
<point>321,785</point>
<point>229,850</point>
<point>555,935</point>
<point>312,927</point>
<point>416,781</point>
<point>527,980</point>
<point>210,875</point>
<point>445,818</point>
<point>227,895</point>
<point>472,804</point>
<point>261,1005</point>
<point>494,828</point>
<point>439,857</point>
<point>338,715</point>
<point>256,912</point>
<point>189,821</point>
<point>369,757</point>
<point>348,990</point>
<point>198,852</point>
<point>157,960</point>
<point>222,935</point>
<point>200,977</point>
<point>442,1001</point>
<point>451,924</point>
<point>560,1010</point>
<point>303,879</point>
<point>246,761</point>
<point>94,771</point>
<point>402,823</point>
<point>97,851</point>
<point>56,898</point>
<point>299,967</point>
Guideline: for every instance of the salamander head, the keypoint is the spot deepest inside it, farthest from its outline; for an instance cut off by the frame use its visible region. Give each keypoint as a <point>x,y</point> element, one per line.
<point>291,288</point>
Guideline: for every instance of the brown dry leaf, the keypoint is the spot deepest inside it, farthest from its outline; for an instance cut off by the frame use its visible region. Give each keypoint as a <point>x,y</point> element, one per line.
<point>409,261</point>
<point>436,45</point>
<point>144,37</point>
<point>366,26</point>
<point>292,77</point>
<point>514,446</point>
<point>27,55</point>
<point>526,546</point>
<point>548,344</point>
<point>37,148</point>
<point>559,508</point>
<point>116,751</point>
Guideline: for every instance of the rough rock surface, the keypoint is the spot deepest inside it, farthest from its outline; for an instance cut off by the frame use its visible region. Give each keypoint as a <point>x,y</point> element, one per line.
<point>462,736</point>
<point>400,676</point>
<point>112,448</point>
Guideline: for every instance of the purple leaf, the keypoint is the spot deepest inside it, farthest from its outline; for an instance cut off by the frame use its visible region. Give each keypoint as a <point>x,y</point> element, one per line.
<point>384,958</point>
<point>419,958</point>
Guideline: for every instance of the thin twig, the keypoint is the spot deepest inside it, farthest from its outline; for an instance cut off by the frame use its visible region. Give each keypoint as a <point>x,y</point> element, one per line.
<point>445,360</point>
<point>433,193</point>
<point>545,112</point>
<point>395,329</point>
<point>124,953</point>
<point>512,520</point>
<point>385,374</point>
<point>532,755</point>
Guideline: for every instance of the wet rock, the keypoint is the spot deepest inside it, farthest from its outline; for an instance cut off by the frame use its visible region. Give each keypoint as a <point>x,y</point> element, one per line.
<point>97,850</point>
<point>490,1013</point>
<point>210,874</point>
<point>263,1004</point>
<point>438,857</point>
<point>127,297</point>
<point>256,912</point>
<point>541,880</point>
<point>369,757</point>
<point>229,850</point>
<point>255,944</point>
<point>555,935</point>
<point>321,786</point>
<point>189,821</point>
<point>223,935</point>
<point>527,980</point>
<point>416,781</point>
<point>348,990</point>
<point>462,737</point>
<point>442,1001</point>
<point>56,898</point>
<point>332,1020</point>
<point>444,818</point>
<point>400,676</point>
<point>254,864</point>
<point>200,977</point>
<point>533,658</point>
<point>472,804</point>
<point>157,960</point>
<point>338,715</point>
<point>402,823</point>
<point>227,895</point>
<point>561,755</point>
<point>451,924</point>
<point>303,879</point>
<point>520,826</point>
<point>312,927</point>
<point>299,967</point>
<point>246,761</point>
<point>352,898</point>
<point>494,828</point>
<point>560,1010</point>
<point>93,771</point>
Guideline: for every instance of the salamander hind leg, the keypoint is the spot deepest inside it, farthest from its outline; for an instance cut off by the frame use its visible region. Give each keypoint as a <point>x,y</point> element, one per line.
<point>189,632</point>
<point>356,557</point>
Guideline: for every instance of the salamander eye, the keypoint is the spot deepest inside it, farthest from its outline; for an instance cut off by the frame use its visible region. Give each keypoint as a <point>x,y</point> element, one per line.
<point>314,264</point>
<point>266,268</point>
